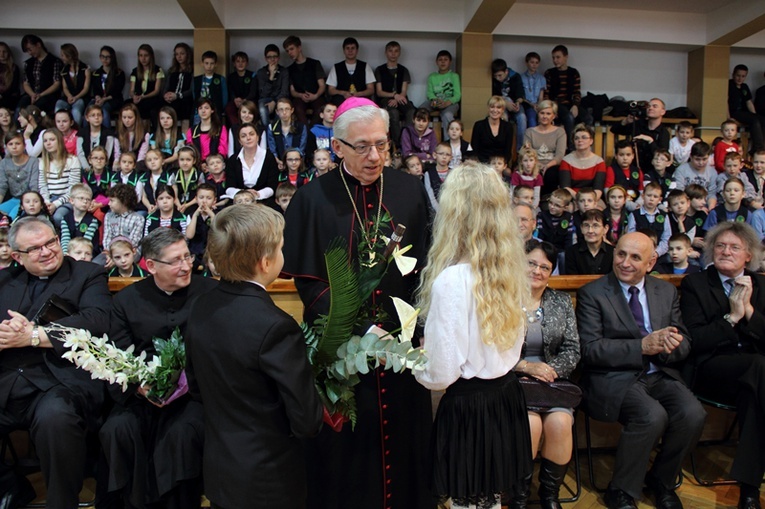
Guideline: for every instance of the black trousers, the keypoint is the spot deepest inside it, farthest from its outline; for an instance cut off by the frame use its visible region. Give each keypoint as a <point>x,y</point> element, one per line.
<point>58,430</point>
<point>740,378</point>
<point>656,407</point>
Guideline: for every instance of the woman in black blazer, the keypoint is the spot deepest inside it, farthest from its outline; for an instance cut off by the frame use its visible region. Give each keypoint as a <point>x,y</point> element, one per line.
<point>726,321</point>
<point>253,168</point>
<point>493,136</point>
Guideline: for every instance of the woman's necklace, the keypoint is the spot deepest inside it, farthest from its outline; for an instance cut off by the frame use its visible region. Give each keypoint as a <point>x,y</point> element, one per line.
<point>356,210</point>
<point>535,315</point>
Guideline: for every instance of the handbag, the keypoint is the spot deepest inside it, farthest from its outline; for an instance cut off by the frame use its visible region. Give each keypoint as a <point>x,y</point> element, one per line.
<point>542,396</point>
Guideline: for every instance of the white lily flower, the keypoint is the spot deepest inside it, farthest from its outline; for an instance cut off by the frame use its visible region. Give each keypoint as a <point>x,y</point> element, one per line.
<point>407,316</point>
<point>405,264</point>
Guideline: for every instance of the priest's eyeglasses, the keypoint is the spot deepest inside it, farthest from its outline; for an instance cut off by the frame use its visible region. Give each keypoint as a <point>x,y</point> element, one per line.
<point>178,262</point>
<point>37,250</point>
<point>363,150</point>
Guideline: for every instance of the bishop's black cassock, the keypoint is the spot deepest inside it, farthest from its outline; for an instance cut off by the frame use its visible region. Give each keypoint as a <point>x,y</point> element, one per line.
<point>383,463</point>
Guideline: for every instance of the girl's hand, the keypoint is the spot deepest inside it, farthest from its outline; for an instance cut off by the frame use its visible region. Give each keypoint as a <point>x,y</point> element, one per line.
<point>280,164</point>
<point>99,100</point>
<point>94,205</point>
<point>182,208</point>
<point>254,193</point>
<point>109,262</point>
<point>137,99</point>
<point>152,208</point>
<point>28,130</point>
<point>170,96</point>
<point>51,207</point>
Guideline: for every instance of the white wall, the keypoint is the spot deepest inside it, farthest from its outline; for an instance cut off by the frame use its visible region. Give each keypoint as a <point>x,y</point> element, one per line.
<point>629,70</point>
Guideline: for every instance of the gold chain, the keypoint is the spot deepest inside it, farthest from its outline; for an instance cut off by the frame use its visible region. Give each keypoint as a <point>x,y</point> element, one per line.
<point>356,210</point>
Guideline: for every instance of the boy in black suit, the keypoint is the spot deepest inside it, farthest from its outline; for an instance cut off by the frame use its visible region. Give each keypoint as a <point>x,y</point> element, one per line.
<point>254,379</point>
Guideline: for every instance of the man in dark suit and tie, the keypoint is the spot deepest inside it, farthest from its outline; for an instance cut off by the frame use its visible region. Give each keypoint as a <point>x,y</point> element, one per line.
<point>724,307</point>
<point>632,338</point>
<point>39,390</point>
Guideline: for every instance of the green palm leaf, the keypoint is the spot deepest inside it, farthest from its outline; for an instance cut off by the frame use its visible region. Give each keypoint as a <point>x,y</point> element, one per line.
<point>344,301</point>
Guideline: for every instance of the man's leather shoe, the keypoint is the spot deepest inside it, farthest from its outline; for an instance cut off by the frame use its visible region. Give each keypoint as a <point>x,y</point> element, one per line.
<point>665,498</point>
<point>749,502</point>
<point>618,499</point>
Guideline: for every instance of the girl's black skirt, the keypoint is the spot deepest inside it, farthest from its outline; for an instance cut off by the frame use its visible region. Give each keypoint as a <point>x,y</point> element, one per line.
<point>481,441</point>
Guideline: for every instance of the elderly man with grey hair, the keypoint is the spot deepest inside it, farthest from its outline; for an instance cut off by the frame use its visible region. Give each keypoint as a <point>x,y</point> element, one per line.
<point>383,462</point>
<point>39,390</point>
<point>724,309</point>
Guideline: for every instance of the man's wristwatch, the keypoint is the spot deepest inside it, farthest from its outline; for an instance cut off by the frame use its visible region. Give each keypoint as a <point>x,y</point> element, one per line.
<point>728,319</point>
<point>35,340</point>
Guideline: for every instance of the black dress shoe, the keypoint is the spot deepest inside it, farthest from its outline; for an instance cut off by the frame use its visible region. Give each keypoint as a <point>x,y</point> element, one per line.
<point>618,499</point>
<point>665,498</point>
<point>749,502</point>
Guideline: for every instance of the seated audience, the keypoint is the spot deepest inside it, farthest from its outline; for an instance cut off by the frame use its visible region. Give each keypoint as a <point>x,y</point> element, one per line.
<point>146,85</point>
<point>419,139</point>
<point>492,135</point>
<point>723,309</point>
<point>210,84</point>
<point>508,85</point>
<point>106,84</point>
<point>42,76</point>
<point>242,86</point>
<point>582,167</point>
<point>741,107</point>
<point>10,88</point>
<point>649,216</point>
<point>19,173</point>
<point>307,80</point>
<point>679,256</point>
<point>564,87</point>
<point>154,451</point>
<point>444,91</point>
<point>273,83</point>
<point>549,141</point>
<point>180,77</point>
<point>551,351</point>
<point>53,399</point>
<point>648,133</point>
<point>351,77</point>
<point>594,255</point>
<point>253,169</point>
<point>625,173</point>
<point>680,144</point>
<point>393,81</point>
<point>633,341</point>
<point>526,221</point>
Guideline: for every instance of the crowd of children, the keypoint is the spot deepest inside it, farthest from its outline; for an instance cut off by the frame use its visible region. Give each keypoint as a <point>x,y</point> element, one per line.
<point>175,135</point>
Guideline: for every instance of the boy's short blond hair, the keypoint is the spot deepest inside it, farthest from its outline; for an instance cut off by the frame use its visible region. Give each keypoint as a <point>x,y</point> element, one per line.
<point>81,242</point>
<point>562,195</point>
<point>81,190</point>
<point>241,236</point>
<point>285,189</point>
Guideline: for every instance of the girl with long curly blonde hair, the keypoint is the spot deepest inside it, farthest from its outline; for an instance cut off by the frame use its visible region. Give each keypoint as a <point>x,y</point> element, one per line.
<point>472,296</point>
